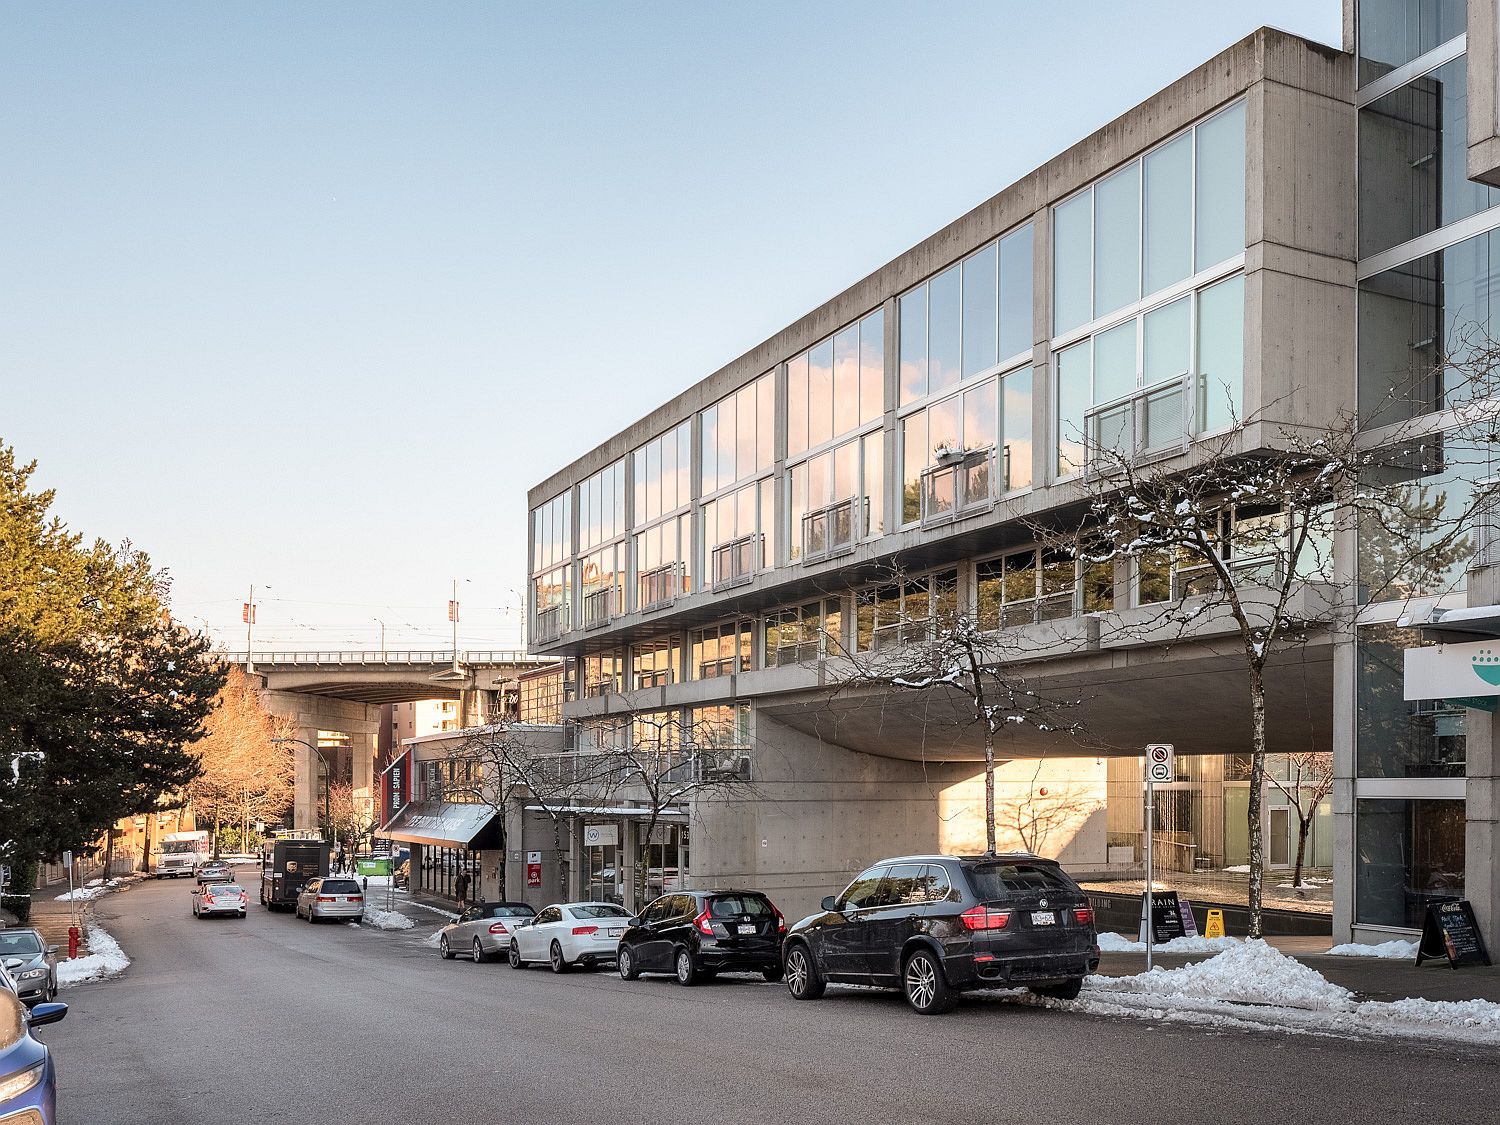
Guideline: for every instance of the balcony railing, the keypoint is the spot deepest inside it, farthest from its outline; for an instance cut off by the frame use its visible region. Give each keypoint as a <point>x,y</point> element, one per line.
<point>960,483</point>
<point>593,689</point>
<point>1032,611</point>
<point>735,563</point>
<point>899,633</point>
<point>598,607</point>
<point>605,771</point>
<point>724,666</point>
<point>550,623</point>
<point>1267,570</point>
<point>1148,422</point>
<point>830,530</point>
<point>658,587</point>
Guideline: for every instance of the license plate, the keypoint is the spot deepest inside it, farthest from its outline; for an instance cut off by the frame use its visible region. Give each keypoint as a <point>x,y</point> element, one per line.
<point>747,929</point>
<point>1043,918</point>
<point>613,933</point>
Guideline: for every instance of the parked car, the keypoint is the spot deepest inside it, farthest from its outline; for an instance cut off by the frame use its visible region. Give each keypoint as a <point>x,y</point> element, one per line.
<point>935,926</point>
<point>483,930</point>
<point>570,933</point>
<point>697,934</point>
<point>219,898</point>
<point>30,963</point>
<point>331,897</point>
<point>213,872</point>
<point>28,1080</point>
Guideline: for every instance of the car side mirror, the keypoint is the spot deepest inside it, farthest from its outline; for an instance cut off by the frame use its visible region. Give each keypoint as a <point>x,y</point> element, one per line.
<point>44,1014</point>
<point>831,902</point>
<point>632,921</point>
<point>52,949</point>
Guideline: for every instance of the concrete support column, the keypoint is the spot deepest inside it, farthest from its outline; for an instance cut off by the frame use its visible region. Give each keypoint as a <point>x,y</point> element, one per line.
<point>1482,831</point>
<point>628,854</point>
<point>305,788</point>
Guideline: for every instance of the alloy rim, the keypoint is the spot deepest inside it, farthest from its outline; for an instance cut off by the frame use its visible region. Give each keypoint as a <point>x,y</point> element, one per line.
<point>557,957</point>
<point>796,972</point>
<point>443,946</point>
<point>624,959</point>
<point>921,981</point>
<point>515,954</point>
<point>478,951</point>
<point>684,966</point>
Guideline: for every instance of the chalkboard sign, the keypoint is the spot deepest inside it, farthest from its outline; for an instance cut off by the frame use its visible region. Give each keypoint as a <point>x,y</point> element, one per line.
<point>1170,917</point>
<point>1449,930</point>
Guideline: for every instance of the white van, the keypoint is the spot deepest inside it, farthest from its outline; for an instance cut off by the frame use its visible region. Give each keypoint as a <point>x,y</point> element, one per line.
<point>180,853</point>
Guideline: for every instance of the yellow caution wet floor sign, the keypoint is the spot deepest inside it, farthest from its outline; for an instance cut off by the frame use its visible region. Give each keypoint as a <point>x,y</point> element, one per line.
<point>1215,927</point>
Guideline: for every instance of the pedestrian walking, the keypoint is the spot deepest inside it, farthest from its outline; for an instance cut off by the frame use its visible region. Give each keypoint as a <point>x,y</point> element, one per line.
<point>461,886</point>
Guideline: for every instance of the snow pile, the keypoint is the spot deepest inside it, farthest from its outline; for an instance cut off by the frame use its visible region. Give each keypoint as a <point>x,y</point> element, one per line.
<point>1396,950</point>
<point>386,919</point>
<point>1463,1019</point>
<point>105,959</point>
<point>83,894</point>
<point>1114,943</point>
<point>1249,972</point>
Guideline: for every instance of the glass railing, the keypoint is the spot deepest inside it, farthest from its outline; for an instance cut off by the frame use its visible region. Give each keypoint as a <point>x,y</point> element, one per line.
<point>961,482</point>
<point>735,563</point>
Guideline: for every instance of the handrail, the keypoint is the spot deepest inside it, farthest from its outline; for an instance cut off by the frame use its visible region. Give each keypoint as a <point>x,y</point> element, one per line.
<point>419,656</point>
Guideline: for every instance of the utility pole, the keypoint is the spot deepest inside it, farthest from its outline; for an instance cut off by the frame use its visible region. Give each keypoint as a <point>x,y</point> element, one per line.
<point>250,631</point>
<point>382,637</point>
<point>453,617</point>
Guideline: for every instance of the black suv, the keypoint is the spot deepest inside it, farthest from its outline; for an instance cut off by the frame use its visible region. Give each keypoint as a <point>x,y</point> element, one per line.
<point>695,934</point>
<point>935,926</point>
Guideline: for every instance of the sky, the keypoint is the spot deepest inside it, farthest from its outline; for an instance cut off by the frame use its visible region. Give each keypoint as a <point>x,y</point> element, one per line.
<point>307,296</point>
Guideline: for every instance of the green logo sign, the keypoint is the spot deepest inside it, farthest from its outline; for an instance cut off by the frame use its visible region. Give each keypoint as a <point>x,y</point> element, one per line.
<point>1487,667</point>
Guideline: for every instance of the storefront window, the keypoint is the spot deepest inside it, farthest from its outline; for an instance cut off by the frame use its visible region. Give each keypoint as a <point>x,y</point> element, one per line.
<point>447,872</point>
<point>1410,855</point>
<point>1400,738</point>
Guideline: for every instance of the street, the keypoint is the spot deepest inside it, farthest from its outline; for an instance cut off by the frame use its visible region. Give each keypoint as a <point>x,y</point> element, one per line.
<point>270,1019</point>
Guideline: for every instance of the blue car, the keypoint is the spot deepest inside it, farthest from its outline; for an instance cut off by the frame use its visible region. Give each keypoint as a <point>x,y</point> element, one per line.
<point>28,1080</point>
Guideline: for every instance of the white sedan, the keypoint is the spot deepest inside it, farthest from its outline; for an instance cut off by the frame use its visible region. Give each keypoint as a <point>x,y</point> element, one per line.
<point>569,933</point>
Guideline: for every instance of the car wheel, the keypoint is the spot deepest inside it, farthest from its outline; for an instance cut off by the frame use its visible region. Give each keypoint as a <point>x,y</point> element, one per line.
<point>803,980</point>
<point>687,971</point>
<point>479,957</point>
<point>927,990</point>
<point>515,955</point>
<point>1068,990</point>
<point>625,964</point>
<point>773,973</point>
<point>443,950</point>
<point>556,959</point>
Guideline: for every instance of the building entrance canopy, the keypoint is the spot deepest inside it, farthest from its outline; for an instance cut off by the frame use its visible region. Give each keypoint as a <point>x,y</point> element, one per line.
<point>444,825</point>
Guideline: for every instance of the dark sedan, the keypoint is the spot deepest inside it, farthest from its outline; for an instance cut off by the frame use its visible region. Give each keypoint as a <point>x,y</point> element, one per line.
<point>935,926</point>
<point>695,934</point>
<point>31,963</point>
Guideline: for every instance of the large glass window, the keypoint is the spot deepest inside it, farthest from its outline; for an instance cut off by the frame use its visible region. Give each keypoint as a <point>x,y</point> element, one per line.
<point>1413,152</point>
<point>739,435</point>
<point>654,663</point>
<point>904,612</point>
<point>552,532</point>
<point>602,579</point>
<point>1025,587</point>
<point>663,471</point>
<point>737,533</point>
<point>835,497</point>
<point>1393,32</point>
<point>972,316</point>
<point>719,650</point>
<point>662,554</point>
<point>1399,737</point>
<point>1422,326</point>
<point>601,506</point>
<point>803,633</point>
<point>1177,211</point>
<point>836,386</point>
<point>1410,855</point>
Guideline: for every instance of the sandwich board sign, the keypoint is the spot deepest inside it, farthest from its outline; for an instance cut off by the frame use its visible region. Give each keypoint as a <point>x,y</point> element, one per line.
<point>1449,930</point>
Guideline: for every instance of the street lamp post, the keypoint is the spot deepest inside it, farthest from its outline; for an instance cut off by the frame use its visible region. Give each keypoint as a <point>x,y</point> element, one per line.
<point>327,776</point>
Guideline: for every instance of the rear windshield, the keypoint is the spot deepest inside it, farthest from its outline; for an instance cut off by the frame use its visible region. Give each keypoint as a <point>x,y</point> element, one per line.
<point>225,889</point>
<point>731,905</point>
<point>997,880</point>
<point>19,945</point>
<point>339,887</point>
<point>600,910</point>
<point>512,910</point>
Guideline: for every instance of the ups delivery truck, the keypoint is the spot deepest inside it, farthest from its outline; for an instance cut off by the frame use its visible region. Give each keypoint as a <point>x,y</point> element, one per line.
<point>286,866</point>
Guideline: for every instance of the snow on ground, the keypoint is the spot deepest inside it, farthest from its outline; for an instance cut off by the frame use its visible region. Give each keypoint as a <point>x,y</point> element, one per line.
<point>448,914</point>
<point>1238,869</point>
<point>1249,972</point>
<point>105,959</point>
<point>1114,943</point>
<point>1302,886</point>
<point>83,894</point>
<point>386,919</point>
<point>1396,950</point>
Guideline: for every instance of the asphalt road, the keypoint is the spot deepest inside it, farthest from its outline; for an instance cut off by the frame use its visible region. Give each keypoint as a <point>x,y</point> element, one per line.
<point>272,1020</point>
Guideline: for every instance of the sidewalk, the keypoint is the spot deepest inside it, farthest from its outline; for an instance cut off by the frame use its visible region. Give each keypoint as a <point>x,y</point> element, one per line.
<point>1371,978</point>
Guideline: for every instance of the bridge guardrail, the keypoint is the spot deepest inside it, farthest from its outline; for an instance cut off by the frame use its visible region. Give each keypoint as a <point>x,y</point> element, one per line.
<point>412,657</point>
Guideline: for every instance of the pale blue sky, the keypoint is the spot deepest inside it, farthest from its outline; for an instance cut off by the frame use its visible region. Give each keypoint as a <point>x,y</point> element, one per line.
<point>308,295</point>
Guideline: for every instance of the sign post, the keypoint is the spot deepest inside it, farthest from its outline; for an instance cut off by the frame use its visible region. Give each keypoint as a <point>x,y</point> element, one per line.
<point>1160,769</point>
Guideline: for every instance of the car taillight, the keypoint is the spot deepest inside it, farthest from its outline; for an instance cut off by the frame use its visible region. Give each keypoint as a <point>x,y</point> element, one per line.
<point>780,921</point>
<point>326,898</point>
<point>244,898</point>
<point>208,900</point>
<point>1084,915</point>
<point>356,898</point>
<point>983,918</point>
<point>498,928</point>
<point>703,924</point>
<point>584,931</point>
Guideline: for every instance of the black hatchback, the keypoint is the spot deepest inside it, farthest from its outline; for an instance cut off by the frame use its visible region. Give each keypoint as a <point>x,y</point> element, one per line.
<point>935,926</point>
<point>695,934</point>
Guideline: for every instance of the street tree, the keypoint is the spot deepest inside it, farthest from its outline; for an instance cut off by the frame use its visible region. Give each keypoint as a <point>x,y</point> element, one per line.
<point>100,690</point>
<point>1305,780</point>
<point>244,774</point>
<point>351,817</point>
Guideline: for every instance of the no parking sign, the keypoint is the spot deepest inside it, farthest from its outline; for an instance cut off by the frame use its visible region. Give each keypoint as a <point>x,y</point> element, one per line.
<point>1161,763</point>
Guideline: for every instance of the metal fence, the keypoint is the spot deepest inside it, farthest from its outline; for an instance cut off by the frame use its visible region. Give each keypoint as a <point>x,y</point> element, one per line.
<point>405,657</point>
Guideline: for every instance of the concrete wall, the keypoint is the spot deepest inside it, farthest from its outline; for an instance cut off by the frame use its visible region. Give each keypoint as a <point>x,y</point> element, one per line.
<point>315,713</point>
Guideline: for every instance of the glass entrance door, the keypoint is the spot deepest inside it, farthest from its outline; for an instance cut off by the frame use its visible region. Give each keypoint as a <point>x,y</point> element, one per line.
<point>1278,832</point>
<point>602,863</point>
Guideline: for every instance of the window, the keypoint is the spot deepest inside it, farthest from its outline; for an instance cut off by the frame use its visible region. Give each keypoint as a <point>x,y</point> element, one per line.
<point>836,386</point>
<point>552,604</point>
<point>864,890</point>
<point>958,454</point>
<point>739,435</point>
<point>654,663</point>
<point>661,560</point>
<point>1396,737</point>
<point>540,696</point>
<point>802,633</point>
<point>550,914</point>
<point>601,674</point>
<point>1393,32</point>
<point>737,534</point>
<point>935,884</point>
<point>836,498</point>
<point>1177,211</point>
<point>905,886</point>
<point>997,881</point>
<point>551,532</point>
<point>1025,587</point>
<point>1413,146</point>
<point>720,650</point>
<point>662,469</point>
<point>602,585</point>
<point>725,725</point>
<point>601,506</point>
<point>1410,855</point>
<point>904,612</point>
<point>969,318</point>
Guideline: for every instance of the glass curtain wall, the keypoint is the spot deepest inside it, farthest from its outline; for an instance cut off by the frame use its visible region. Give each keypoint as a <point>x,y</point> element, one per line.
<point>662,544</point>
<point>739,444</point>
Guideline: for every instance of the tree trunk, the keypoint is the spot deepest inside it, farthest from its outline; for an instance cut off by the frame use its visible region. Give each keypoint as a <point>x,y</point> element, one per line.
<point>504,857</point>
<point>989,789</point>
<point>1257,792</point>
<point>109,850</point>
<point>1304,826</point>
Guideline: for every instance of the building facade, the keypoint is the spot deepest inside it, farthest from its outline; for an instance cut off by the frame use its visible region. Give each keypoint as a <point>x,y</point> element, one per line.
<point>1268,239</point>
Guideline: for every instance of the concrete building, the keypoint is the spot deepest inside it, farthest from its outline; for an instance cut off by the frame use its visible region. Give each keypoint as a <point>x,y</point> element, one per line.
<point>1270,237</point>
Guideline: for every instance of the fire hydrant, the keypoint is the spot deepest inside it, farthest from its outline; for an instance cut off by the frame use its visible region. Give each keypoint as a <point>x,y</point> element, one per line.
<point>72,942</point>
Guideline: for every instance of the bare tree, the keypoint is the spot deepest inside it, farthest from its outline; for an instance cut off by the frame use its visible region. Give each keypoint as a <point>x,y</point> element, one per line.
<point>1308,783</point>
<point>1242,529</point>
<point>350,817</point>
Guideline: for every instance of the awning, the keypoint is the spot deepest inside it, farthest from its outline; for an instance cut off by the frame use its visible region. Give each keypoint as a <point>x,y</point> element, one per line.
<point>445,825</point>
<point>602,810</point>
<point>1466,623</point>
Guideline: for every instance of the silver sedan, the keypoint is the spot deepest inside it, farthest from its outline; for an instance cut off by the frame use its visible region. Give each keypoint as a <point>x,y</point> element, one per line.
<point>331,898</point>
<point>483,930</point>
